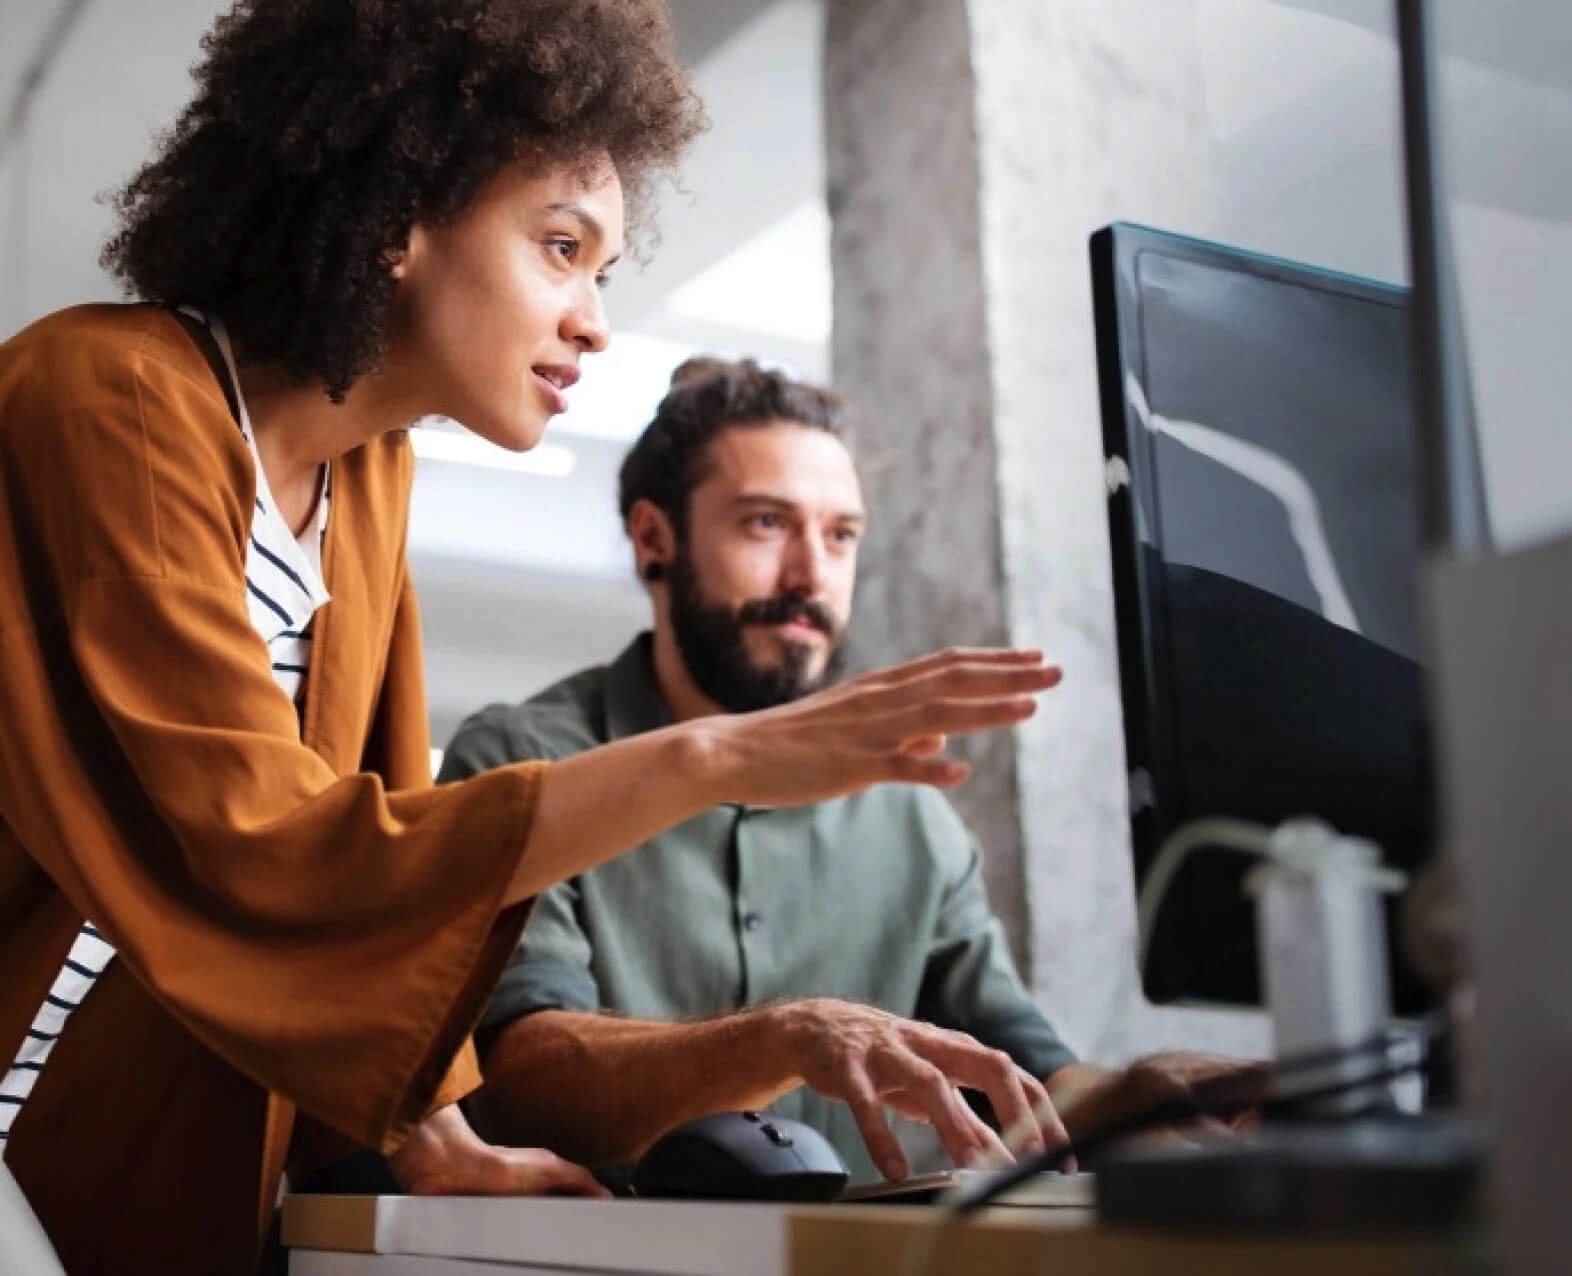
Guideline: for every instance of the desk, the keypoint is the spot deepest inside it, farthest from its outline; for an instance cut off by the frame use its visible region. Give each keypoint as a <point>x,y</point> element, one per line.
<point>453,1236</point>
<point>1021,1243</point>
<point>411,1236</point>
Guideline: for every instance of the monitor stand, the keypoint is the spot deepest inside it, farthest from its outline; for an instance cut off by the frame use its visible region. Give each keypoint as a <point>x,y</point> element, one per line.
<point>1379,1173</point>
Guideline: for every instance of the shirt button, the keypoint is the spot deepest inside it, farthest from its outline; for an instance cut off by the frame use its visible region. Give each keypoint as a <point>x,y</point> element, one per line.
<point>751,922</point>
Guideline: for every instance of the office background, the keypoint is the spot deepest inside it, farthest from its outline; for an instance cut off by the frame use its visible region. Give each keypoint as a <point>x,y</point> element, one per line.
<point>896,194</point>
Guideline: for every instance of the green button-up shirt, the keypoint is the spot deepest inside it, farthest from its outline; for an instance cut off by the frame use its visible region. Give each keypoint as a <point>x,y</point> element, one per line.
<point>876,898</point>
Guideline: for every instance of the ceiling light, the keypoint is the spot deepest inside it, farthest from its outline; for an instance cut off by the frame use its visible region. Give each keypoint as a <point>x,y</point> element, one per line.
<point>777,283</point>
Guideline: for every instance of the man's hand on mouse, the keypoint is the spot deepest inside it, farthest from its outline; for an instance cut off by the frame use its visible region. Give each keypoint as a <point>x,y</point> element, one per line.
<point>872,1060</point>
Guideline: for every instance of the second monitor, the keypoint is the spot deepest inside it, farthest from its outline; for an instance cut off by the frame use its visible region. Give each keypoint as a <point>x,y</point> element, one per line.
<point>1258,423</point>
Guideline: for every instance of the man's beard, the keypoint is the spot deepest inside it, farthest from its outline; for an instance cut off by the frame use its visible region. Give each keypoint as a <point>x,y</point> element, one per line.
<point>711,638</point>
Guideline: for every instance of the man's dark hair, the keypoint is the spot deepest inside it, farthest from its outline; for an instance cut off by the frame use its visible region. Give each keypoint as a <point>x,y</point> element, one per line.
<point>322,130</point>
<point>707,398</point>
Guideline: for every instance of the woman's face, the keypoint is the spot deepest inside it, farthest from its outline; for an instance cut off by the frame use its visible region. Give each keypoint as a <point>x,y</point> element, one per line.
<point>495,308</point>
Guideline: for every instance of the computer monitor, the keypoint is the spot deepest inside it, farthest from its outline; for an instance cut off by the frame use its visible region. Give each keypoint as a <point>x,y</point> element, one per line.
<point>1258,424</point>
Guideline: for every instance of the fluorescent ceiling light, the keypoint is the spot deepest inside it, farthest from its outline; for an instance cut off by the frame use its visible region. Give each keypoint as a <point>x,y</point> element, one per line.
<point>433,442</point>
<point>620,388</point>
<point>1260,61</point>
<point>777,283</point>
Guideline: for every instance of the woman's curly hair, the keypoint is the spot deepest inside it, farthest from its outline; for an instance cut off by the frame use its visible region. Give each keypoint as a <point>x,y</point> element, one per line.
<point>322,130</point>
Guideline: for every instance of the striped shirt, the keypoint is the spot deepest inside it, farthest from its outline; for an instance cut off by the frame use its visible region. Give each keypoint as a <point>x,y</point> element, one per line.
<point>284,589</point>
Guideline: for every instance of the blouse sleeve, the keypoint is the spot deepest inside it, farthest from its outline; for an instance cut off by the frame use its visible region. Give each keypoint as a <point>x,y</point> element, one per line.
<point>330,937</point>
<point>399,750</point>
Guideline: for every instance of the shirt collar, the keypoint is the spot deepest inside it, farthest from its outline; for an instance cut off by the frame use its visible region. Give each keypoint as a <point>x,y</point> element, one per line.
<point>634,703</point>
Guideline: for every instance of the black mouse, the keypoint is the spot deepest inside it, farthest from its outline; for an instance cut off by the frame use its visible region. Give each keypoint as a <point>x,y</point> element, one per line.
<point>742,1156</point>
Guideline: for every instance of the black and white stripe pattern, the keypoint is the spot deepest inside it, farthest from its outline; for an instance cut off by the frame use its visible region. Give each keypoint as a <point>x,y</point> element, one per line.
<point>284,584</point>
<point>89,957</point>
<point>284,588</point>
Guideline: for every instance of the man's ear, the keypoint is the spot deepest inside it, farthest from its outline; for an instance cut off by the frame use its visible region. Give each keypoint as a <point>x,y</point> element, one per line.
<point>654,540</point>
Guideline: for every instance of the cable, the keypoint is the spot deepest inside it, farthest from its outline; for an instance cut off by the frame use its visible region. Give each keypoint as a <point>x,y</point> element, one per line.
<point>13,125</point>
<point>1223,1096</point>
<point>1234,835</point>
<point>1214,1097</point>
<point>1231,834</point>
<point>37,71</point>
<point>1306,845</point>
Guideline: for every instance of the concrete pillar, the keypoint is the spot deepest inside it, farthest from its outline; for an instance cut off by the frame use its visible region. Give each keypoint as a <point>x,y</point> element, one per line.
<point>910,348</point>
<point>973,146</point>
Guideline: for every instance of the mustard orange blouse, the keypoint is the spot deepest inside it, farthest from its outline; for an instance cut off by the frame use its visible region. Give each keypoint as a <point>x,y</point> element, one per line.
<point>307,929</point>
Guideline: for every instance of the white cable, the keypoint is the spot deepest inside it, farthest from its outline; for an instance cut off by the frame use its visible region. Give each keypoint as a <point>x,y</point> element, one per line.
<point>1238,835</point>
<point>1232,835</point>
<point>1304,846</point>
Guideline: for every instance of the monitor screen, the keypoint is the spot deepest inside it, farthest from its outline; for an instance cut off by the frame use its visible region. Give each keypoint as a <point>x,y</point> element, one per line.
<point>1258,424</point>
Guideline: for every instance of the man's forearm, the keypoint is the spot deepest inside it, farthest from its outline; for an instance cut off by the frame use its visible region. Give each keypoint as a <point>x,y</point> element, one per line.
<point>599,1089</point>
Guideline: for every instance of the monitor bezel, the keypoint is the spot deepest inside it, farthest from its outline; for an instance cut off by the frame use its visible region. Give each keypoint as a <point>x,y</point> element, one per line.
<point>1153,765</point>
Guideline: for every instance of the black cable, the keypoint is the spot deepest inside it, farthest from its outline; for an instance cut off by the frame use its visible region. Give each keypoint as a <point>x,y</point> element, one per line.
<point>1215,1097</point>
<point>1172,1112</point>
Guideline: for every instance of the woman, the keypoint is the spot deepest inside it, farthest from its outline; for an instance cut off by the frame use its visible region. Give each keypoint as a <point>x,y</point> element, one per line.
<point>240,929</point>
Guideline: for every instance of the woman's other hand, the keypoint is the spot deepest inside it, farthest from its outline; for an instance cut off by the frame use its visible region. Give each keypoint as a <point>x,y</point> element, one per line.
<point>444,1157</point>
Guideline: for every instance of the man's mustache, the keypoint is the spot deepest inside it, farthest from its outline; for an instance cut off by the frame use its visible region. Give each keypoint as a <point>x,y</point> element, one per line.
<point>783,610</point>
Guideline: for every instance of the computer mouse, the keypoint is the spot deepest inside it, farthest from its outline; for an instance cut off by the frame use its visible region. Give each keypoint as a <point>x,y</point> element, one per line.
<point>742,1156</point>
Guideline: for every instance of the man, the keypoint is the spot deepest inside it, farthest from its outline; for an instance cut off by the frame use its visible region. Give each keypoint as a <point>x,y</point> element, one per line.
<point>828,961</point>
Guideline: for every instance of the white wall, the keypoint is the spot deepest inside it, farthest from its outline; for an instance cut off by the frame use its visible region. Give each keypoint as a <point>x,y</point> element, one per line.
<point>524,578</point>
<point>1307,163</point>
<point>1295,152</point>
<point>1303,158</point>
<point>1273,125</point>
<point>117,81</point>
